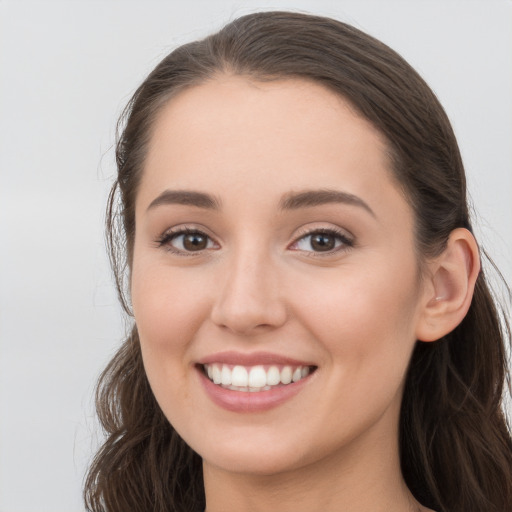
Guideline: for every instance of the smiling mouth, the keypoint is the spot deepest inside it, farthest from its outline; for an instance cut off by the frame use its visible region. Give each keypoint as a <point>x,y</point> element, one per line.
<point>254,378</point>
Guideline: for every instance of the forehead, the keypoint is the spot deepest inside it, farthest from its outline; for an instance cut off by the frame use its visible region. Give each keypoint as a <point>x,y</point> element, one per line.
<point>240,106</point>
<point>265,138</point>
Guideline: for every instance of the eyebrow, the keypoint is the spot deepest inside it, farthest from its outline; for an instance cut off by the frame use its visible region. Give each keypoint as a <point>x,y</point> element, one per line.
<point>310,198</point>
<point>291,201</point>
<point>186,197</point>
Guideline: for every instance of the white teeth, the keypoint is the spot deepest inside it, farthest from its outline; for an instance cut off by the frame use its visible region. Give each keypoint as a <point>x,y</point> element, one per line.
<point>217,373</point>
<point>239,376</point>
<point>273,376</point>
<point>225,376</point>
<point>254,378</point>
<point>248,389</point>
<point>286,375</point>
<point>257,377</point>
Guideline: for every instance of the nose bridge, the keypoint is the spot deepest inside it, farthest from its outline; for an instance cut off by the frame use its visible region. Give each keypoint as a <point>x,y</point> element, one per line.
<point>249,295</point>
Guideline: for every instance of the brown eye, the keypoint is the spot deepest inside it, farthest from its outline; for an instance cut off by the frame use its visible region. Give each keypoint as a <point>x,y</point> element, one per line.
<point>188,241</point>
<point>323,242</point>
<point>195,241</point>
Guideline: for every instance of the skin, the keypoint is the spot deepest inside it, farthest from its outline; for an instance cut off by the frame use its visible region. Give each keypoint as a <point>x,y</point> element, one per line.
<point>354,312</point>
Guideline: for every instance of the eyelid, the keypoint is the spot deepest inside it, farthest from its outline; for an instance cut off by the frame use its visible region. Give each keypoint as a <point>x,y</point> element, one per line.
<point>163,241</point>
<point>348,240</point>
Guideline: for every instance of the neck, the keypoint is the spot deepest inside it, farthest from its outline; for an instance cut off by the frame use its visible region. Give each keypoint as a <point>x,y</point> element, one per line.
<point>355,479</point>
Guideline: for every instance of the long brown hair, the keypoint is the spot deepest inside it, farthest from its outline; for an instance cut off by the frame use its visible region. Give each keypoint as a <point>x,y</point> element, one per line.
<point>455,445</point>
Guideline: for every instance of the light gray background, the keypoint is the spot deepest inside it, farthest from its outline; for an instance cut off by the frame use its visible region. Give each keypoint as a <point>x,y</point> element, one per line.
<point>66,70</point>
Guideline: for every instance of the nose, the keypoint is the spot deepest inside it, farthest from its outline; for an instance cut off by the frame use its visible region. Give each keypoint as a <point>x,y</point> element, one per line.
<point>249,298</point>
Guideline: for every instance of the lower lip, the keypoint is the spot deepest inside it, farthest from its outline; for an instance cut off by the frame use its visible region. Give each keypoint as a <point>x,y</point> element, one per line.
<point>257,401</point>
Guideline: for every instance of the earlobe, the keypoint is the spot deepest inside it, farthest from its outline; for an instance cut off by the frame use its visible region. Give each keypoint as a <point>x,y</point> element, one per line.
<point>449,288</point>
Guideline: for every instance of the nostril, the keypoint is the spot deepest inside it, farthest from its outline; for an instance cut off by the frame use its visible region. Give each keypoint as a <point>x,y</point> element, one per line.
<point>243,319</point>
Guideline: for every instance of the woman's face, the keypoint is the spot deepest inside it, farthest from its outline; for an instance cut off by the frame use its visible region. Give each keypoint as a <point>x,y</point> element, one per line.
<point>272,245</point>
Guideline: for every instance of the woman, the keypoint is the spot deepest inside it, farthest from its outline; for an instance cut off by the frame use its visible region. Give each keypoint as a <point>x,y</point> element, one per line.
<point>312,327</point>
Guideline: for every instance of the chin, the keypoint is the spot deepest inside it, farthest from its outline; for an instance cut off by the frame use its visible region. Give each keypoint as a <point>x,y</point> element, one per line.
<point>259,452</point>
<point>255,462</point>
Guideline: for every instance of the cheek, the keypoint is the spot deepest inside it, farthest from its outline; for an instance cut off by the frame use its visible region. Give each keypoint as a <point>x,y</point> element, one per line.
<point>364,315</point>
<point>366,327</point>
<point>168,308</point>
<point>167,304</point>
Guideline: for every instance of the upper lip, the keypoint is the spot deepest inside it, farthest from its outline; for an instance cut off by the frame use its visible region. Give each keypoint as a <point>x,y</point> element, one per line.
<point>251,359</point>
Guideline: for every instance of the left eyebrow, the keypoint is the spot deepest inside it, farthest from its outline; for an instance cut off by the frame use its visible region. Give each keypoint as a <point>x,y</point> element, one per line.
<point>186,197</point>
<point>310,198</point>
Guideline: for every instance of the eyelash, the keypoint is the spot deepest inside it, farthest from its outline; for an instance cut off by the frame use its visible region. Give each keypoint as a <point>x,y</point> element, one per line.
<point>165,240</point>
<point>346,243</point>
<point>340,236</point>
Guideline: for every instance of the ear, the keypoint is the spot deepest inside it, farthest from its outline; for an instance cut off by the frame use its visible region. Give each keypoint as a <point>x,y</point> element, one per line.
<point>448,286</point>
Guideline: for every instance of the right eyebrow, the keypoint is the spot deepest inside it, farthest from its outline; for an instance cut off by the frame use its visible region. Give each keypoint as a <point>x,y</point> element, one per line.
<point>186,197</point>
<point>311,198</point>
